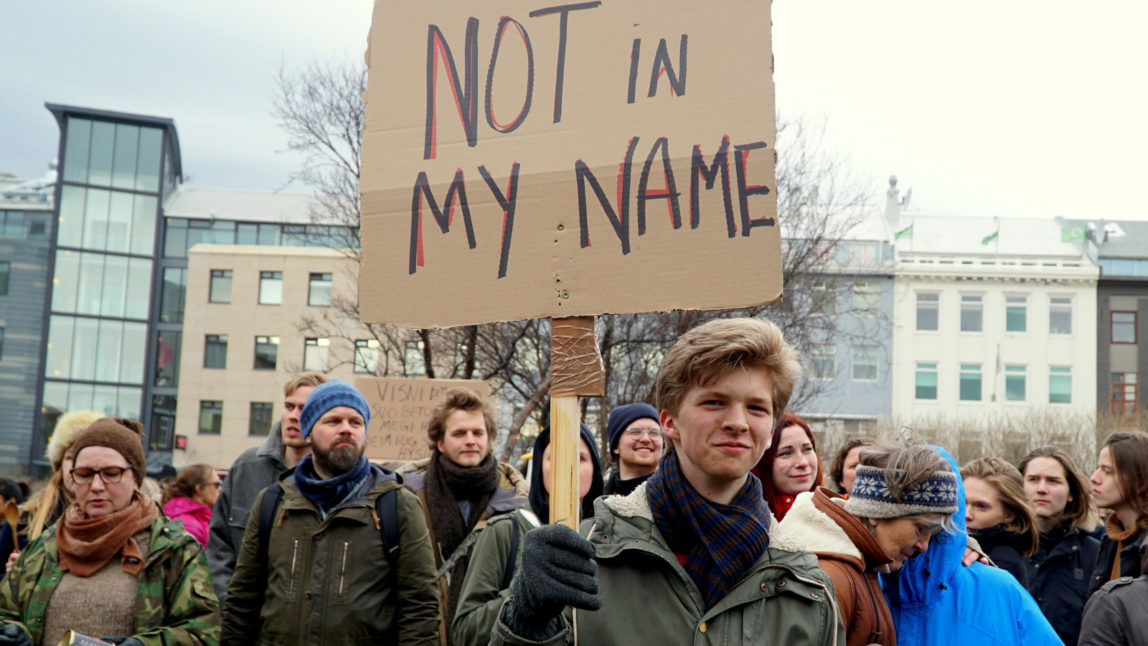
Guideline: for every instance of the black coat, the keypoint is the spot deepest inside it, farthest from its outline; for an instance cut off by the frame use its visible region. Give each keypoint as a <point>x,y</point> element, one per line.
<point>1004,548</point>
<point>1117,615</point>
<point>1060,580</point>
<point>1129,560</point>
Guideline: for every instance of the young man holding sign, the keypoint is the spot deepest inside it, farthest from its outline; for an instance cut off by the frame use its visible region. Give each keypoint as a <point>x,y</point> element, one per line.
<point>696,544</point>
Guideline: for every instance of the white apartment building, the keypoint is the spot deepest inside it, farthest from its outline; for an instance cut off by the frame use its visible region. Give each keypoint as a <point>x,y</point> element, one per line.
<point>993,318</point>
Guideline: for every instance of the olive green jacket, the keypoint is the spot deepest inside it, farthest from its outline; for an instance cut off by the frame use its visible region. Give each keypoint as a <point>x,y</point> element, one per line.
<point>175,603</point>
<point>327,580</point>
<point>648,598</point>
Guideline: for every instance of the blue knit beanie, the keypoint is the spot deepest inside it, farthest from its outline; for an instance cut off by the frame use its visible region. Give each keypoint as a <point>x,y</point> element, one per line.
<point>329,395</point>
<point>623,416</point>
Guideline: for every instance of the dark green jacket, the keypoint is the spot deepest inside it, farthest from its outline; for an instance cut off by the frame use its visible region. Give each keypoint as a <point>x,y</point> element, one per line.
<point>647,597</point>
<point>328,581</point>
<point>175,603</point>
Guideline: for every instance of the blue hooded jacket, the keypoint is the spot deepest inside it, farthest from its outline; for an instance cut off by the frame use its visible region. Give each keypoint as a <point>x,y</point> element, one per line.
<point>937,601</point>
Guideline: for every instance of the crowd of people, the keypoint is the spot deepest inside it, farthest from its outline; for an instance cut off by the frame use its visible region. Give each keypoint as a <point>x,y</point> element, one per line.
<point>714,520</point>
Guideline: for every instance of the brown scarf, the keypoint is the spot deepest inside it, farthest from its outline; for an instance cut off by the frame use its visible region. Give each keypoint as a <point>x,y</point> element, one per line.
<point>446,484</point>
<point>86,544</point>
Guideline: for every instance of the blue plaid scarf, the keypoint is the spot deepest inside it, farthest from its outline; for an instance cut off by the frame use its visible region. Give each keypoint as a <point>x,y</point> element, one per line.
<point>720,542</point>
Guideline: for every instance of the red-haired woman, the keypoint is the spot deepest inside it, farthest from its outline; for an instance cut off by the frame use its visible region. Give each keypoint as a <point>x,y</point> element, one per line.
<point>790,466</point>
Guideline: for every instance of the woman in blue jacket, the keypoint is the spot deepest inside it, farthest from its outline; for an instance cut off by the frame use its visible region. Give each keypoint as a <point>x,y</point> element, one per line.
<point>937,601</point>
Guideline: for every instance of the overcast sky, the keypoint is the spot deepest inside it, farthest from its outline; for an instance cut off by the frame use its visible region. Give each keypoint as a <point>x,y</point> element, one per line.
<point>1016,108</point>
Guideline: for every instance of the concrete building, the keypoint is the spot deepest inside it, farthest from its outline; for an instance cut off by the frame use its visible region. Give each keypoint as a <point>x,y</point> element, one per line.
<point>994,318</point>
<point>242,340</point>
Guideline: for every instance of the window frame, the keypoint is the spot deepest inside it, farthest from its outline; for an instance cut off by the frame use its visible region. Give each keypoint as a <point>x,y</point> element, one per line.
<point>1023,307</point>
<point>967,303</point>
<point>1127,381</point>
<point>818,354</point>
<point>969,369</point>
<point>1014,371</point>
<point>311,285</point>
<point>322,345</point>
<point>267,340</point>
<point>1061,305</point>
<point>266,278</point>
<point>252,430</point>
<point>865,290</point>
<point>217,426</point>
<point>923,304</point>
<point>1132,325</point>
<point>211,292</point>
<point>824,299</point>
<point>1056,373</point>
<point>365,344</point>
<point>207,343</point>
<point>857,353</point>
<point>923,368</point>
<point>5,276</point>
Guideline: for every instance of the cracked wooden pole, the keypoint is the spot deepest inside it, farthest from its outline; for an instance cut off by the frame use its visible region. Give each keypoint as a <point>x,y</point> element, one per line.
<point>575,370</point>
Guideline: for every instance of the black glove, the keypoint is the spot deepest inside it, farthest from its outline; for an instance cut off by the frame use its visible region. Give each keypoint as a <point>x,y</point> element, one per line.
<point>557,570</point>
<point>122,641</point>
<point>11,635</point>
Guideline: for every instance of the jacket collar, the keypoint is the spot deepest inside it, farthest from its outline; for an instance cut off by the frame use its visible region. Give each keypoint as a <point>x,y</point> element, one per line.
<point>273,447</point>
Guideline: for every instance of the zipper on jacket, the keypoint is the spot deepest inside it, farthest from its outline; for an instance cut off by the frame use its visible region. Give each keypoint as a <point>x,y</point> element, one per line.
<point>343,568</point>
<point>294,559</point>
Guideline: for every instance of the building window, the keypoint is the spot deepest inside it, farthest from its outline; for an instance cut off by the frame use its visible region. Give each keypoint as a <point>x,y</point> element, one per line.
<point>865,362</point>
<point>1060,385</point>
<point>215,351</point>
<point>972,312</point>
<point>970,382</point>
<point>1016,313</point>
<point>220,291</point>
<point>315,354</point>
<point>1123,327</point>
<point>414,364</point>
<point>367,356</point>
<point>259,420</point>
<point>926,381</point>
<point>928,308</point>
<point>1060,315</point>
<point>824,361</point>
<point>1123,393</point>
<point>319,290</point>
<point>5,270</point>
<point>270,288</point>
<point>1014,383</point>
<point>1,343</point>
<point>266,352</point>
<point>824,300</point>
<point>167,357</point>
<point>210,417</point>
<point>171,296</point>
<point>866,299</point>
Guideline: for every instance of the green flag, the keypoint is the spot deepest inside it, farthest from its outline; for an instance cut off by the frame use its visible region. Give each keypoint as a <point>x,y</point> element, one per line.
<point>990,237</point>
<point>907,232</point>
<point>1072,234</point>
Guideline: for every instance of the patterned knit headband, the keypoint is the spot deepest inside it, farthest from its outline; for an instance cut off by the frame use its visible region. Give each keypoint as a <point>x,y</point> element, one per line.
<point>870,497</point>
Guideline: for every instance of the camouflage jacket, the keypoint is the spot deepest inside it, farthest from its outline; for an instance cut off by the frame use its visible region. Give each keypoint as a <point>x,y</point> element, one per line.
<point>175,603</point>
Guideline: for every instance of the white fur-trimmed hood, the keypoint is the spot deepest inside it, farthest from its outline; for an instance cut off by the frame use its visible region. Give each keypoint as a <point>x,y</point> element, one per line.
<point>819,532</point>
<point>637,505</point>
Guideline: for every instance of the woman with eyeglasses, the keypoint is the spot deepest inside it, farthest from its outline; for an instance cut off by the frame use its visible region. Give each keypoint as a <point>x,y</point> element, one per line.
<point>113,566</point>
<point>636,447</point>
<point>190,498</point>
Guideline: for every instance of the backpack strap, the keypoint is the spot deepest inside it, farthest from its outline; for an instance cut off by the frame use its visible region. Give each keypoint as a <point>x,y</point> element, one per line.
<point>510,562</point>
<point>387,507</point>
<point>267,508</point>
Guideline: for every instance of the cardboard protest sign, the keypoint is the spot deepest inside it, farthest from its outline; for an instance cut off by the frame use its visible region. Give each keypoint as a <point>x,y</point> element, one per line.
<point>523,159</point>
<point>400,409</point>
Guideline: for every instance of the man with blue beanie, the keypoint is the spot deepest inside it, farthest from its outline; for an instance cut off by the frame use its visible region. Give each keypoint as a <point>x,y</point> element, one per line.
<point>323,576</point>
<point>636,446</point>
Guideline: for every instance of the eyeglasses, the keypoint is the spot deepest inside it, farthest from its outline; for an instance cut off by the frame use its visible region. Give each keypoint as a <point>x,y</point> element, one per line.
<point>636,433</point>
<point>217,484</point>
<point>110,475</point>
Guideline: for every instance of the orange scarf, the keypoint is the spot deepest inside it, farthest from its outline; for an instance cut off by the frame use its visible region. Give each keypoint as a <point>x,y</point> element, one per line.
<point>86,544</point>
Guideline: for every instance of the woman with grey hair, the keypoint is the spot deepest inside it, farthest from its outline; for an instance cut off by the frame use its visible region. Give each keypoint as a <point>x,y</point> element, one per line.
<point>903,496</point>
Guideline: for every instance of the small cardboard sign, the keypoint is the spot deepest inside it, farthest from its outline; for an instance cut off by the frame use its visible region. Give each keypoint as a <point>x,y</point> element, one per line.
<point>400,410</point>
<point>525,160</point>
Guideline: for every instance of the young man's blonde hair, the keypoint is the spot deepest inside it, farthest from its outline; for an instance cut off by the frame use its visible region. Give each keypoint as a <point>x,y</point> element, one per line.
<point>311,379</point>
<point>459,399</point>
<point>710,350</point>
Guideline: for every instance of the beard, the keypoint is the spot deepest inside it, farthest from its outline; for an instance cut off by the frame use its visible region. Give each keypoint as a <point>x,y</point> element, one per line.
<point>337,459</point>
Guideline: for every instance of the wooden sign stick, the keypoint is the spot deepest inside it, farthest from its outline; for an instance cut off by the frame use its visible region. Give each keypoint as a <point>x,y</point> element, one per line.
<point>575,369</point>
